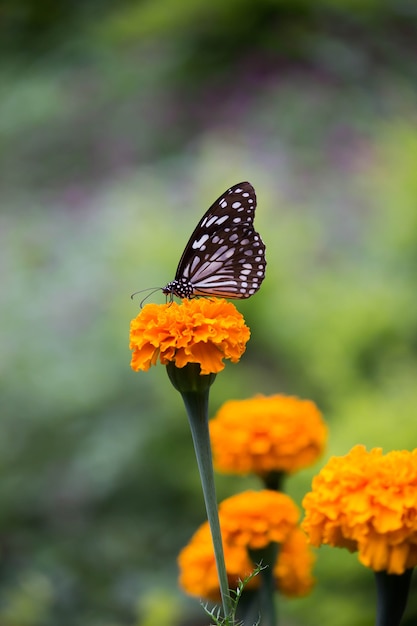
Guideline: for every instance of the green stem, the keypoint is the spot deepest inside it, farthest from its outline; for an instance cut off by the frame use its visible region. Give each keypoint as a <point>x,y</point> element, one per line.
<point>268,557</point>
<point>196,404</point>
<point>392,595</point>
<point>267,594</point>
<point>274,481</point>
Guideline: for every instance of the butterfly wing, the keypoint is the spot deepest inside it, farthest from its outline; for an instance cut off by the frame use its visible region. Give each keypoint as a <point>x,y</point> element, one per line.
<point>224,256</point>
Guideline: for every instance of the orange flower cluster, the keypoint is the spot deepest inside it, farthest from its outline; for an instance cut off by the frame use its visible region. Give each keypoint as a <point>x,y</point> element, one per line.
<point>366,501</point>
<point>249,520</point>
<point>201,330</point>
<point>264,434</point>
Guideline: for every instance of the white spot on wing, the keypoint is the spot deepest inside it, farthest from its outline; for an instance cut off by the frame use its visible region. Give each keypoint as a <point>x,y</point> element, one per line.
<point>199,242</point>
<point>222,219</point>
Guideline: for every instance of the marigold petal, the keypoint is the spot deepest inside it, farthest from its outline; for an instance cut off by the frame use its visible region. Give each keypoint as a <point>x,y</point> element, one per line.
<point>293,570</point>
<point>208,354</point>
<point>256,518</point>
<point>144,358</point>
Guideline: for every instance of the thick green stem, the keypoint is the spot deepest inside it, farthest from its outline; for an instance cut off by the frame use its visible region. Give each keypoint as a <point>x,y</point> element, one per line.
<point>268,557</point>
<point>194,389</point>
<point>392,595</point>
<point>267,591</point>
<point>274,481</point>
<point>196,404</point>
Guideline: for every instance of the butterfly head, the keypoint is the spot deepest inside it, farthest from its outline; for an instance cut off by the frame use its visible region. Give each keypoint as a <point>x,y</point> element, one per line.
<point>182,288</point>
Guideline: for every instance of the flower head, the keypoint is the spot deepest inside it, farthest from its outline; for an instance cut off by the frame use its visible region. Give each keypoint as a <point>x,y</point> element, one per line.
<point>201,330</point>
<point>265,434</point>
<point>366,501</point>
<point>254,519</point>
<point>198,575</point>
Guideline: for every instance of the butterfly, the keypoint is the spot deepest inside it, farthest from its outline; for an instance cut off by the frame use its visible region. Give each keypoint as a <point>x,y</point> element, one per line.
<point>225,256</point>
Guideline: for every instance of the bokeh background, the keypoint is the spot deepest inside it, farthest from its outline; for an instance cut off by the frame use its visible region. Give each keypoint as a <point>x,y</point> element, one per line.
<point>119,124</point>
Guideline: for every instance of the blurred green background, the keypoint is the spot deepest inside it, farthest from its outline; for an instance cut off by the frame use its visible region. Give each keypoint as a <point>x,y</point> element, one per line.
<point>119,124</point>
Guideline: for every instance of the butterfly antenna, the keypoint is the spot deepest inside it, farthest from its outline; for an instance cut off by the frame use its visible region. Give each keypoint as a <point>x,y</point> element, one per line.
<point>151,289</point>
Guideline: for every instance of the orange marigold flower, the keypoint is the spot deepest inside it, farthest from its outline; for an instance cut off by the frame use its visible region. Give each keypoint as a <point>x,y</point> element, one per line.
<point>254,519</point>
<point>366,501</point>
<point>198,573</point>
<point>201,330</point>
<point>267,433</point>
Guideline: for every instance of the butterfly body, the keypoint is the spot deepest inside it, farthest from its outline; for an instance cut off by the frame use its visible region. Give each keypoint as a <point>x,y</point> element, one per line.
<point>225,256</point>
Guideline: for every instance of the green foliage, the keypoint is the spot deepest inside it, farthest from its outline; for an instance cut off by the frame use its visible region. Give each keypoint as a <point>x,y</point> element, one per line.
<point>158,607</point>
<point>29,602</point>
